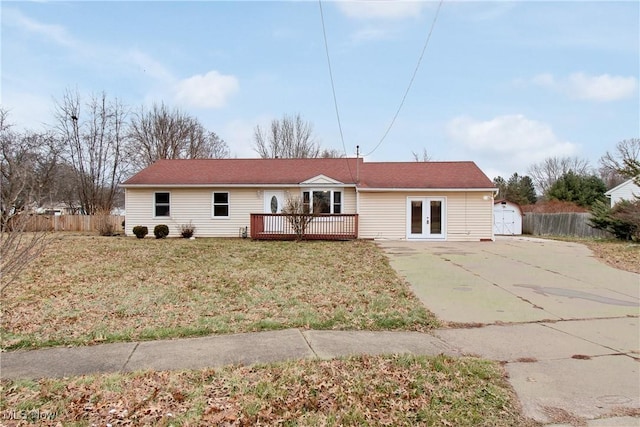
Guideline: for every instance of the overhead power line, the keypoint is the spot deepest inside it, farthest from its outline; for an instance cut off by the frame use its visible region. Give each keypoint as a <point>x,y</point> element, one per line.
<point>333,90</point>
<point>415,72</point>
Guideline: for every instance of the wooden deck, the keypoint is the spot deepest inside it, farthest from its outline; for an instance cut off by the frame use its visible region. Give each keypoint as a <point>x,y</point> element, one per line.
<point>320,227</point>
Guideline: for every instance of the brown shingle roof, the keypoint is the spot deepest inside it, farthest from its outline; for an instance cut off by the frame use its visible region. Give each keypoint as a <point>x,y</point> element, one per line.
<point>258,172</point>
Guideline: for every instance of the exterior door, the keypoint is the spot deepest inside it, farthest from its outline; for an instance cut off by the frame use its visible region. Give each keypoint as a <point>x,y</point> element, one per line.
<point>426,218</point>
<point>273,203</point>
<point>504,220</point>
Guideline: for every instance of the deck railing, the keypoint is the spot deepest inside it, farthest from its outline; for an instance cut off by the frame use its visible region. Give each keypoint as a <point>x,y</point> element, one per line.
<point>319,227</point>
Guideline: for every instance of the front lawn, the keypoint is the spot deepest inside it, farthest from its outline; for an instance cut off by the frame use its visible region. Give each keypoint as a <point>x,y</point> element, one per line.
<point>89,289</point>
<point>376,391</point>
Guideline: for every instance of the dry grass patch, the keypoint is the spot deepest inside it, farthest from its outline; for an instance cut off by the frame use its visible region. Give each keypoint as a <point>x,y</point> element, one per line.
<point>360,391</point>
<point>90,289</point>
<point>618,254</point>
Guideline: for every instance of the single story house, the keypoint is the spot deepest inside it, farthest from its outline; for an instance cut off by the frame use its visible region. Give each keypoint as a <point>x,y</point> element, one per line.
<point>625,191</point>
<point>390,200</point>
<point>507,218</point>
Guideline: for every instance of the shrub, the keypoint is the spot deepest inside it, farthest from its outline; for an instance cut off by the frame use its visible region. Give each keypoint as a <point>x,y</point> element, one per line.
<point>623,220</point>
<point>140,231</point>
<point>160,231</point>
<point>104,225</point>
<point>187,230</point>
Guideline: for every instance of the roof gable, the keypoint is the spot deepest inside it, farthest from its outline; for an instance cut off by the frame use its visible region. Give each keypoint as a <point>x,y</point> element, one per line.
<point>320,180</point>
<point>623,186</point>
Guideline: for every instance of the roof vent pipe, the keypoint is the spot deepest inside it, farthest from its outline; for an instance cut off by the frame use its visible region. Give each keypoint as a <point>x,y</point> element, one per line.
<point>357,164</point>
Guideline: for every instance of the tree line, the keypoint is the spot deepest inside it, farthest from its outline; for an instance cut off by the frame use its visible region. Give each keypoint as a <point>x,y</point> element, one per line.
<point>97,142</point>
<point>572,179</point>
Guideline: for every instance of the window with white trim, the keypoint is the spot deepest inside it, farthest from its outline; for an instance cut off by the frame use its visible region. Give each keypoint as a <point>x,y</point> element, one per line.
<point>220,204</point>
<point>322,201</point>
<point>162,204</point>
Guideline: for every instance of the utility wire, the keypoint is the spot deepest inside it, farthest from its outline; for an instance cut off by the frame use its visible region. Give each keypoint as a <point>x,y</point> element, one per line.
<point>415,71</point>
<point>333,90</point>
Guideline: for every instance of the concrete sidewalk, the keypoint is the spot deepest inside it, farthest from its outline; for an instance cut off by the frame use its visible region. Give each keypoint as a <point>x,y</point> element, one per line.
<point>546,366</point>
<point>215,351</point>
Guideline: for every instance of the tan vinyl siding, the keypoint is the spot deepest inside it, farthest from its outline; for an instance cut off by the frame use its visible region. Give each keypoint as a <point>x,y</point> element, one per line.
<point>195,205</point>
<point>382,216</point>
<point>469,217</point>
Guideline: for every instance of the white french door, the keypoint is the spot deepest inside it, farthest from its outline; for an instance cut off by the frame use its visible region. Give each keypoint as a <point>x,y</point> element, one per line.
<point>426,218</point>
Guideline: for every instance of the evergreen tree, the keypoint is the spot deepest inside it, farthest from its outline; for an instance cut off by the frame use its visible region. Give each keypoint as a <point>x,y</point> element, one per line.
<point>583,190</point>
<point>518,189</point>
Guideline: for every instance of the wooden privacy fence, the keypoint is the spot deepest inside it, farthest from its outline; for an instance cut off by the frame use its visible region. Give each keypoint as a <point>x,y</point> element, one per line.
<point>561,224</point>
<point>72,222</point>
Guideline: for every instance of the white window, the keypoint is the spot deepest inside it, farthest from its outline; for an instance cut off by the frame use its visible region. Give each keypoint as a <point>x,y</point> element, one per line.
<point>162,204</point>
<point>322,201</point>
<point>220,208</point>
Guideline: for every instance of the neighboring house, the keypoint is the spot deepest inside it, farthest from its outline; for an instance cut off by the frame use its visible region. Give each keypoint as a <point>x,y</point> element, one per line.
<point>625,191</point>
<point>55,209</point>
<point>507,218</point>
<point>393,200</point>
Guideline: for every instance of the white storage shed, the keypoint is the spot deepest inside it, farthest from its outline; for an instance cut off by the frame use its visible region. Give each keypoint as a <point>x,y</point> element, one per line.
<point>507,218</point>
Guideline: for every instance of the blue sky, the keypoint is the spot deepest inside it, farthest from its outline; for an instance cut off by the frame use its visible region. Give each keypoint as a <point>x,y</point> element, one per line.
<point>504,84</point>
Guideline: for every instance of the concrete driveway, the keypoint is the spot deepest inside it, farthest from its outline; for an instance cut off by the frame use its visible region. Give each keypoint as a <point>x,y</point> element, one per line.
<point>565,323</point>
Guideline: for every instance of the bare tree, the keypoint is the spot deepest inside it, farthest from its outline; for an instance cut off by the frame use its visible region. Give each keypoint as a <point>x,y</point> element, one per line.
<point>95,142</point>
<point>19,188</point>
<point>331,153</point>
<point>298,216</point>
<point>27,168</point>
<point>289,137</point>
<point>424,157</point>
<point>547,172</point>
<point>162,133</point>
<point>614,165</point>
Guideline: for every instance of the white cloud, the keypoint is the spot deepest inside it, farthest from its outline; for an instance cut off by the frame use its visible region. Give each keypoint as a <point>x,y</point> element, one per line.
<point>602,88</point>
<point>211,90</point>
<point>147,65</point>
<point>238,134</point>
<point>545,80</point>
<point>94,56</point>
<point>56,33</point>
<point>512,140</point>
<point>381,9</point>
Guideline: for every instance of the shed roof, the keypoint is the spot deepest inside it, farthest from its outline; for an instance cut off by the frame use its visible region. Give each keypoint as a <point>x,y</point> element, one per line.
<point>349,171</point>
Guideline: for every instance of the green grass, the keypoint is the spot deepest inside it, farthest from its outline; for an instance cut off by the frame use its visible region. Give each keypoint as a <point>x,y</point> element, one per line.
<point>90,289</point>
<point>358,391</point>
